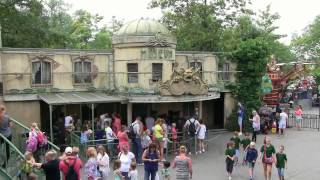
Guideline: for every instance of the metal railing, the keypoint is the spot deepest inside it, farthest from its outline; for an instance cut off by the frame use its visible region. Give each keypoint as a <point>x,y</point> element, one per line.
<point>20,136</point>
<point>310,121</point>
<point>113,150</point>
<point>11,158</point>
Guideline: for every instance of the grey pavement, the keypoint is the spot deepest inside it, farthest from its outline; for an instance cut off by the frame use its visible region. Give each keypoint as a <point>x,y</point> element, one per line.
<point>301,147</point>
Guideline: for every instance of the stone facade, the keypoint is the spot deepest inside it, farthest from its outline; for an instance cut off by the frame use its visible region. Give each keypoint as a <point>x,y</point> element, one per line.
<point>141,60</point>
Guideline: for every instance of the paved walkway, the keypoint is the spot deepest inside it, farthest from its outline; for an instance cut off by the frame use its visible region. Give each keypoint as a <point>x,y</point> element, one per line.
<point>302,148</point>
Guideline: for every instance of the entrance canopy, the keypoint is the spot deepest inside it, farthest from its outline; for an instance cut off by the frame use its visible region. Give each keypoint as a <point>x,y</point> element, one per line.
<point>78,98</point>
<point>172,99</point>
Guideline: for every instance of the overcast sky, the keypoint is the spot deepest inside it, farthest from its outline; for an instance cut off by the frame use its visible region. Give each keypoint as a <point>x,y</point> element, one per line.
<point>295,14</point>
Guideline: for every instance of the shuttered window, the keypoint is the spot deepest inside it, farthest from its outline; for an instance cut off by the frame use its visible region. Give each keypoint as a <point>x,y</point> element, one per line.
<point>132,72</point>
<point>82,72</point>
<point>156,72</point>
<point>41,72</point>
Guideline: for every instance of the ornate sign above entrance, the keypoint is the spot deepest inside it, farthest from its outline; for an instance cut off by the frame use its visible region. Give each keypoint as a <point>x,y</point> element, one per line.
<point>158,41</point>
<point>184,81</point>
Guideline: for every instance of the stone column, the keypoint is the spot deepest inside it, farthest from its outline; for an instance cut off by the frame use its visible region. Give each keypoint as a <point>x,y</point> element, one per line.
<point>200,109</point>
<point>129,113</point>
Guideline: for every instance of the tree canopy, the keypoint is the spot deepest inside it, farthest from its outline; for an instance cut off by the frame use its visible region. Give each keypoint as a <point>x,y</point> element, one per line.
<point>307,45</point>
<point>46,24</point>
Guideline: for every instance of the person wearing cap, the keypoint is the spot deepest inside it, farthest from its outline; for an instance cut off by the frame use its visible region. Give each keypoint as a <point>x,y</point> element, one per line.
<point>70,160</point>
<point>252,155</point>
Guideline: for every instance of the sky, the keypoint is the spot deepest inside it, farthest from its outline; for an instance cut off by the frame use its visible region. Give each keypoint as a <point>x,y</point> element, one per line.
<point>295,14</point>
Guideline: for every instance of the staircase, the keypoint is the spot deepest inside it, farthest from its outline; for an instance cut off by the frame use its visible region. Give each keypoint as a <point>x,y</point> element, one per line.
<point>279,82</point>
<point>10,162</point>
<point>17,149</point>
<point>273,97</point>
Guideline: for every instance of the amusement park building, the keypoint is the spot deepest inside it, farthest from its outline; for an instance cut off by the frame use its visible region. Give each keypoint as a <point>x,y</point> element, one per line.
<point>142,74</point>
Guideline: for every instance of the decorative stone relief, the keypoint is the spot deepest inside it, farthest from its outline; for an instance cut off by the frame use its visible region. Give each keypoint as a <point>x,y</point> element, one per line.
<point>184,81</point>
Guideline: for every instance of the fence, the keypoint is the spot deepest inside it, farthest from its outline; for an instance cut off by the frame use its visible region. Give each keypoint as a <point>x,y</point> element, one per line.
<point>112,146</point>
<point>310,121</point>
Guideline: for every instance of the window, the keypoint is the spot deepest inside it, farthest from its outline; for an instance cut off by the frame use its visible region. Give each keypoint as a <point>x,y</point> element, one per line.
<point>41,72</point>
<point>82,72</point>
<point>197,65</point>
<point>156,72</point>
<point>132,72</point>
<point>226,69</point>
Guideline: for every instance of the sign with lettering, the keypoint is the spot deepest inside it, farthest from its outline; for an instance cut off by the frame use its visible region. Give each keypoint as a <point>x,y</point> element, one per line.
<point>157,53</point>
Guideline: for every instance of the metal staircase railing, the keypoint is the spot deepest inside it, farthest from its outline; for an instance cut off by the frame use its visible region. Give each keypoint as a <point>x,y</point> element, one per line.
<point>20,136</point>
<point>11,160</point>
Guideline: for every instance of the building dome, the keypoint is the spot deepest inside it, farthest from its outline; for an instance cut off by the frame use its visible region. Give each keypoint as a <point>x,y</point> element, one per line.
<point>140,31</point>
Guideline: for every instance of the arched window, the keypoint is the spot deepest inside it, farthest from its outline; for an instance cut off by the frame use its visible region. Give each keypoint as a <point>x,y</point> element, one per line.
<point>82,72</point>
<point>41,72</point>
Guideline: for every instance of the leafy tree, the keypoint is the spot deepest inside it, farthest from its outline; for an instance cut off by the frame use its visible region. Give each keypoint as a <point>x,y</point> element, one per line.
<point>102,40</point>
<point>46,24</point>
<point>24,23</point>
<point>199,24</point>
<point>307,46</point>
<point>83,28</point>
<point>59,24</point>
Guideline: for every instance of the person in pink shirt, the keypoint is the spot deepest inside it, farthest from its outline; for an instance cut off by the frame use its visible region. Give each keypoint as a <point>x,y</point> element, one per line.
<point>298,114</point>
<point>174,132</point>
<point>116,125</point>
<point>68,161</point>
<point>123,138</point>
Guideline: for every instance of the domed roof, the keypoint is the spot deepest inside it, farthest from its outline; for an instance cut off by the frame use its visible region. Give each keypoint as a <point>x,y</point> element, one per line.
<point>139,32</point>
<point>142,27</point>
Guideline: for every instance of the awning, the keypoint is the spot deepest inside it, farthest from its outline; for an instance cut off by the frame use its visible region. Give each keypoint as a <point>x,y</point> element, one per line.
<point>172,99</point>
<point>78,98</point>
<point>20,97</point>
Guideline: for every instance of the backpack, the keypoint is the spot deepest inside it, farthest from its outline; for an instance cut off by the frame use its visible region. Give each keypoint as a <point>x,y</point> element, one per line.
<point>192,127</point>
<point>42,139</point>
<point>71,174</point>
<point>32,144</point>
<point>131,133</point>
<point>26,167</point>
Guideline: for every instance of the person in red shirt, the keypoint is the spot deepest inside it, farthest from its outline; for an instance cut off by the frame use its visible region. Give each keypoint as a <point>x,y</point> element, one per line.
<point>116,124</point>
<point>69,160</point>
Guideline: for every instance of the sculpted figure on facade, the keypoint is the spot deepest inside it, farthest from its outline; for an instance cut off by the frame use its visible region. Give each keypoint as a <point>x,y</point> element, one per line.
<point>184,82</point>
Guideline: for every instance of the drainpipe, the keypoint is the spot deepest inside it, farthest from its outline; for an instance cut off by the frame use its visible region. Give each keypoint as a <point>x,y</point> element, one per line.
<point>0,37</point>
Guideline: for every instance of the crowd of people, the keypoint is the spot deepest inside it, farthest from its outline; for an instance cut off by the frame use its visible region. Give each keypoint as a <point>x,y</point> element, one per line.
<point>267,155</point>
<point>149,139</point>
<point>267,118</point>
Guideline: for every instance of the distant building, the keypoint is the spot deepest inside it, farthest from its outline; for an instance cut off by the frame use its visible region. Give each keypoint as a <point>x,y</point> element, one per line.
<point>143,74</point>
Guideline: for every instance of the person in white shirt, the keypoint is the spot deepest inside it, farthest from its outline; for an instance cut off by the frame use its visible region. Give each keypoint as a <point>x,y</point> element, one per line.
<point>137,128</point>
<point>126,157</point>
<point>68,120</point>
<point>133,173</point>
<point>103,162</point>
<point>105,118</point>
<point>201,134</point>
<point>282,122</point>
<point>110,138</point>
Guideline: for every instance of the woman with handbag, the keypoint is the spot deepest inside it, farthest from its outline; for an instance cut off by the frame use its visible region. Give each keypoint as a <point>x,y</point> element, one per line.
<point>268,157</point>
<point>255,125</point>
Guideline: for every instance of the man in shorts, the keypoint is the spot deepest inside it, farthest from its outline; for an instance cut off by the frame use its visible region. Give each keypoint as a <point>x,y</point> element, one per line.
<point>282,122</point>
